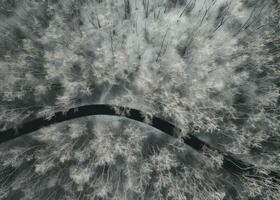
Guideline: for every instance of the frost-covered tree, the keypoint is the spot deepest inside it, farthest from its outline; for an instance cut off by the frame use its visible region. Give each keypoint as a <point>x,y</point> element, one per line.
<point>211,67</point>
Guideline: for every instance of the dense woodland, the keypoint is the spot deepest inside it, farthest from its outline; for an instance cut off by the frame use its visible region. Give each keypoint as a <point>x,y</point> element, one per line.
<point>211,67</point>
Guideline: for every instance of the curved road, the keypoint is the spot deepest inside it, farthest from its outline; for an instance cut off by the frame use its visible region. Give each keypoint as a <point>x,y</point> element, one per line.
<point>230,162</point>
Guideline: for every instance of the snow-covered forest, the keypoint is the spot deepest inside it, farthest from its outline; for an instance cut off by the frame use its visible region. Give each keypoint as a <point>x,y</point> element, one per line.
<point>210,67</point>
